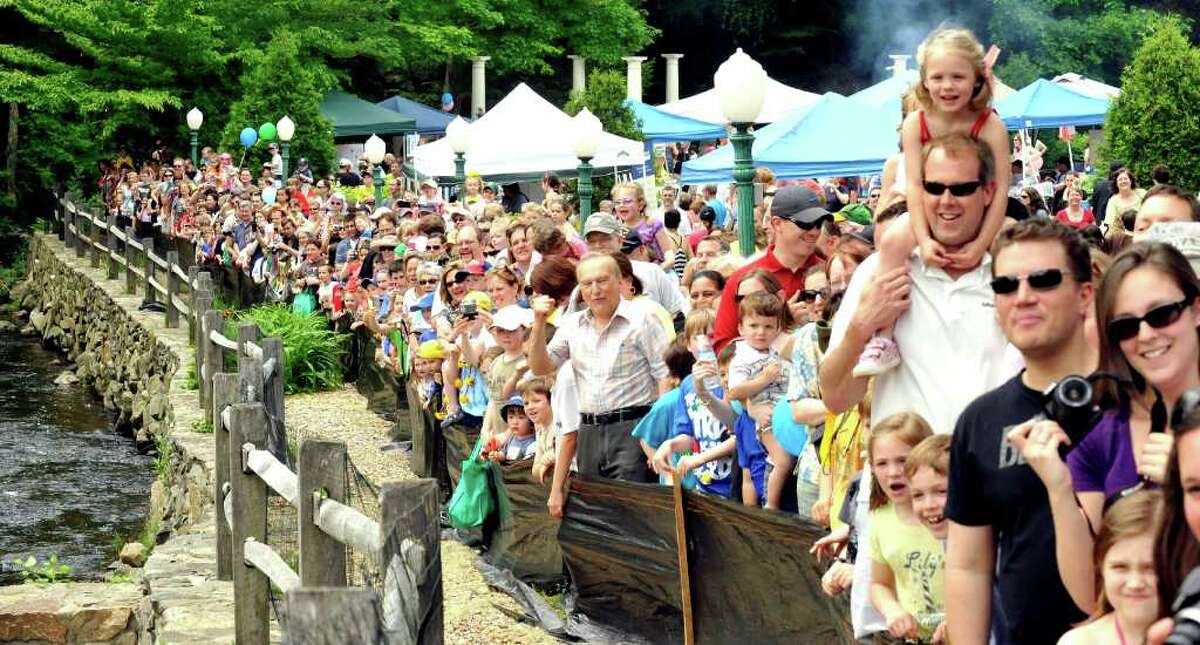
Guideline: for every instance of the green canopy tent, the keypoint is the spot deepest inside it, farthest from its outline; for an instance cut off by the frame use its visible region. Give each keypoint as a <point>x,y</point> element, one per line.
<point>354,117</point>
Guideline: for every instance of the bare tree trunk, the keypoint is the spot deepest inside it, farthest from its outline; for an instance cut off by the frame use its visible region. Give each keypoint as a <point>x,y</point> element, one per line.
<point>10,153</point>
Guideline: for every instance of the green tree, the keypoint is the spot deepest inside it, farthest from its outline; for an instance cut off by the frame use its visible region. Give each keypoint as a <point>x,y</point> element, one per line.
<point>265,98</point>
<point>605,97</point>
<point>1154,121</point>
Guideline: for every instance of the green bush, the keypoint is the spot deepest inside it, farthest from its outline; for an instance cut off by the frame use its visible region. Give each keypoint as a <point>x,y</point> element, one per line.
<point>312,352</point>
<point>1156,119</point>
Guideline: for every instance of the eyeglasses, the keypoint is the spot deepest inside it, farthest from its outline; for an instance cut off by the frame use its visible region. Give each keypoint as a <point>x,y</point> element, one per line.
<point>1044,280</point>
<point>958,190</point>
<point>625,202</point>
<point>1126,327</point>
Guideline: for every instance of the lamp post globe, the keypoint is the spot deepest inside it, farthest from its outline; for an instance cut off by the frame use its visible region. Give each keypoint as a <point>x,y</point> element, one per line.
<point>586,139</point>
<point>195,118</point>
<point>286,129</point>
<point>375,150</point>
<point>741,85</point>
<point>458,137</point>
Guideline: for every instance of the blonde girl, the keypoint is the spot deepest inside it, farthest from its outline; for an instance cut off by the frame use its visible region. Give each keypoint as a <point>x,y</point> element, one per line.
<point>953,97</point>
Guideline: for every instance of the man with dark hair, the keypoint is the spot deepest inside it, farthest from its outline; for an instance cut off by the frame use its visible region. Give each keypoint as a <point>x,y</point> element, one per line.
<point>1166,203</point>
<point>1160,174</point>
<point>997,506</point>
<point>1104,190</point>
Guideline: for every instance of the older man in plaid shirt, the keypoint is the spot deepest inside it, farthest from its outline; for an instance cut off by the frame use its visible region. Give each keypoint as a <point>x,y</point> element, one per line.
<point>616,353</point>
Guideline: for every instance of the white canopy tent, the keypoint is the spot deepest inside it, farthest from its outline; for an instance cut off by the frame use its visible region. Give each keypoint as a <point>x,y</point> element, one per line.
<point>1086,86</point>
<point>522,137</point>
<point>781,101</point>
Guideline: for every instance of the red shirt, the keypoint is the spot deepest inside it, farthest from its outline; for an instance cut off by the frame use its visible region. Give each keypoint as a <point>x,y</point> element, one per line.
<point>1088,219</point>
<point>727,312</point>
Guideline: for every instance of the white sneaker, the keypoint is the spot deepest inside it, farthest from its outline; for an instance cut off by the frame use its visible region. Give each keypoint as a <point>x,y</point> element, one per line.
<point>880,355</point>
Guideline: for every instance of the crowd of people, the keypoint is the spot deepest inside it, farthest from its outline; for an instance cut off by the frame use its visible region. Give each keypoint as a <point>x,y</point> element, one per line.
<point>884,363</point>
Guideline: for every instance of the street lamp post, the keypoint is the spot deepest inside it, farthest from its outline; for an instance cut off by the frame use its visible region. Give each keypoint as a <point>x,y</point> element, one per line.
<point>741,85</point>
<point>587,129</point>
<point>458,136</point>
<point>195,118</point>
<point>375,150</point>
<point>286,130</point>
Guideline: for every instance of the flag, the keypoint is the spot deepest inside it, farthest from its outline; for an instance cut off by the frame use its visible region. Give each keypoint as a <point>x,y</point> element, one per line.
<point>1066,133</point>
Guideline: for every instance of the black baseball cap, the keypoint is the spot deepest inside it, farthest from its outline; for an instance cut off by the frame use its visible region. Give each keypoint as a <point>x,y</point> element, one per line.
<point>800,205</point>
<point>631,243</point>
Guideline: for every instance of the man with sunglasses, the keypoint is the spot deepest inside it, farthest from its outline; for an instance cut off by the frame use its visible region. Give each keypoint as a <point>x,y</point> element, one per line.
<point>998,507</point>
<point>796,218</point>
<point>944,319</point>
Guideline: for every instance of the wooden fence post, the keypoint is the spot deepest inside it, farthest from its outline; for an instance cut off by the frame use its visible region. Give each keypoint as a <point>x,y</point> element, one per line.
<point>273,399</point>
<point>322,558</point>
<point>111,244</point>
<point>68,221</point>
<point>412,559</point>
<point>224,388</point>
<point>94,241</point>
<point>193,320</point>
<point>172,286</point>
<point>60,220</point>
<point>325,616</point>
<point>80,235</point>
<point>250,376</point>
<point>248,424</point>
<point>147,251</point>
<point>212,361</point>
<point>130,264</point>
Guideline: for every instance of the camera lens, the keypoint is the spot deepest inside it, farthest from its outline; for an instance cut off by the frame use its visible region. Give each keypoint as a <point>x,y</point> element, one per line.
<point>1074,392</point>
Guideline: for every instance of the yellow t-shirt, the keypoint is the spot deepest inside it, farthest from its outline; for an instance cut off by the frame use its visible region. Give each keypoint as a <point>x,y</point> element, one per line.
<point>918,565</point>
<point>841,456</point>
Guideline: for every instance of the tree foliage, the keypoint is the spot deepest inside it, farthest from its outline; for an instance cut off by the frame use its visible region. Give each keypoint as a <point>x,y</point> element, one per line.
<point>604,96</point>
<point>1156,119</point>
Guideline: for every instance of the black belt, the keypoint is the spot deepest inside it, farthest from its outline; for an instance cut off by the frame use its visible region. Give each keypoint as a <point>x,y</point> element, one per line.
<point>632,412</point>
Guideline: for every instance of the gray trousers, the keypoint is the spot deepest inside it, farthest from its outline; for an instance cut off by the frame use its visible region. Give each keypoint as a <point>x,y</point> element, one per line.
<point>611,452</point>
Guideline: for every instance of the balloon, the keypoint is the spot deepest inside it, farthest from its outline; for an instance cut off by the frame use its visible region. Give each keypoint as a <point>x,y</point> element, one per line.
<point>248,137</point>
<point>266,131</point>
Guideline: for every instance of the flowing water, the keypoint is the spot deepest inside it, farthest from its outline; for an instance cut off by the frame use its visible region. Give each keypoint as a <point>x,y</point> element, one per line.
<point>69,484</point>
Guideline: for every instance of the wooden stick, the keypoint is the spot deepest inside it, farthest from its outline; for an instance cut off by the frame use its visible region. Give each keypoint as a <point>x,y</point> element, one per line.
<point>685,584</point>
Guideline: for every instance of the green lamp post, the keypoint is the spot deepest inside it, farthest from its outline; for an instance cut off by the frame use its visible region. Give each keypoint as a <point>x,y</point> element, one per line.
<point>195,118</point>
<point>286,130</point>
<point>741,85</point>
<point>587,130</point>
<point>375,151</point>
<point>458,137</point>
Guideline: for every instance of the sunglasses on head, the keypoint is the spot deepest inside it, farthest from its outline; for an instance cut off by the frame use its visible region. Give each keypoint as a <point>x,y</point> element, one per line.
<point>1127,327</point>
<point>958,190</point>
<point>1039,280</point>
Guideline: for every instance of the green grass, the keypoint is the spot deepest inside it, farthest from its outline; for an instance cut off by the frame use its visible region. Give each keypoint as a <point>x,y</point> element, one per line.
<point>191,381</point>
<point>14,273</point>
<point>202,426</point>
<point>163,449</point>
<point>312,352</point>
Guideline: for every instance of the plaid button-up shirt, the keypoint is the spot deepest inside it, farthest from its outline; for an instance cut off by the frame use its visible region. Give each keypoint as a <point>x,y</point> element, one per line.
<point>617,366</point>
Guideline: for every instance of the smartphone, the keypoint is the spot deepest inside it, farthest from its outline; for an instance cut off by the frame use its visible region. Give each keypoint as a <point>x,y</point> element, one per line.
<point>470,310</point>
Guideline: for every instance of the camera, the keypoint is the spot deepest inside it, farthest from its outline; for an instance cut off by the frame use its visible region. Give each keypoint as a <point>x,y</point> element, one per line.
<point>1070,404</point>
<point>1186,611</point>
<point>470,310</point>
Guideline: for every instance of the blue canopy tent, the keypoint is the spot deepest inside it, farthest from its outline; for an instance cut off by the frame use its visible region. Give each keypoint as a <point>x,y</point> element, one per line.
<point>659,126</point>
<point>888,91</point>
<point>429,121</point>
<point>833,137</point>
<point>1043,104</point>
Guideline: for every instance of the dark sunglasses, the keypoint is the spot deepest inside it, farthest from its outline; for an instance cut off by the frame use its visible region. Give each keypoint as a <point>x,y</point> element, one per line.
<point>427,281</point>
<point>1127,327</point>
<point>808,226</point>
<point>811,295</point>
<point>1039,280</point>
<point>958,190</point>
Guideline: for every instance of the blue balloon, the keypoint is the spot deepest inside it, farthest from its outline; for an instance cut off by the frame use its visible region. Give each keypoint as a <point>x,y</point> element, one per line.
<point>791,435</point>
<point>248,137</point>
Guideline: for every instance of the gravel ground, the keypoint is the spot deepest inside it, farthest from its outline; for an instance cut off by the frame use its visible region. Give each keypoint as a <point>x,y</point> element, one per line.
<point>472,609</point>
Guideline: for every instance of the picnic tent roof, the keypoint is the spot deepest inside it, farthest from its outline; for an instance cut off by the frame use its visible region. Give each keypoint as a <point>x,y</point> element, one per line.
<point>781,101</point>
<point>354,117</point>
<point>888,92</point>
<point>520,137</point>
<point>1043,104</point>
<point>429,120</point>
<point>1087,86</point>
<point>662,126</point>
<point>834,137</point>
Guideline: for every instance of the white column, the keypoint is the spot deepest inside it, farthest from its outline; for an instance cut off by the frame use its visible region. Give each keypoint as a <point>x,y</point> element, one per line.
<point>578,73</point>
<point>672,76</point>
<point>478,87</point>
<point>633,79</point>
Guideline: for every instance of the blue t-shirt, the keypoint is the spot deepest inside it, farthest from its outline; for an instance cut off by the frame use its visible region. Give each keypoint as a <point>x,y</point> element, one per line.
<point>751,454</point>
<point>658,425</point>
<point>694,419</point>
<point>721,211</point>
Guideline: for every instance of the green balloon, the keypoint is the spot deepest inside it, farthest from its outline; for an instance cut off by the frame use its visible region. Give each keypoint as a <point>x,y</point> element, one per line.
<point>266,131</point>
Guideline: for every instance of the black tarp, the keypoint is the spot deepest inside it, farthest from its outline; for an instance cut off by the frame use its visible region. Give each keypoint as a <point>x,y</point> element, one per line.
<point>379,385</point>
<point>525,537</point>
<point>459,442</point>
<point>427,451</point>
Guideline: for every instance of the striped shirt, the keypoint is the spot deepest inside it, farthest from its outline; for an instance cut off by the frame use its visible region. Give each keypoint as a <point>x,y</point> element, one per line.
<point>615,367</point>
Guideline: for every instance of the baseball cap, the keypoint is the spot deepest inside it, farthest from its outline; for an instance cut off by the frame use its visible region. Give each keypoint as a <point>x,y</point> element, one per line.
<point>865,234</point>
<point>800,205</point>
<point>430,183</point>
<point>631,243</point>
<point>343,162</point>
<point>385,242</point>
<point>431,349</point>
<point>515,401</point>
<point>601,223</point>
<point>512,317</point>
<point>481,300</point>
<point>472,268</point>
<point>380,212</point>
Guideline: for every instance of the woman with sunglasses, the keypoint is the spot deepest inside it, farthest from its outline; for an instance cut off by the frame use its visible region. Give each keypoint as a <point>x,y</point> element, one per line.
<point>1147,318</point>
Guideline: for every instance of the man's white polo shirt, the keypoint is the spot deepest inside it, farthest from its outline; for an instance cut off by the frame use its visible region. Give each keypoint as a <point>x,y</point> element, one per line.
<point>951,347</point>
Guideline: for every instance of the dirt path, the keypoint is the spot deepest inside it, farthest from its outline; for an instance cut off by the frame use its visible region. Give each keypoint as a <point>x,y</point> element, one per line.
<point>471,607</point>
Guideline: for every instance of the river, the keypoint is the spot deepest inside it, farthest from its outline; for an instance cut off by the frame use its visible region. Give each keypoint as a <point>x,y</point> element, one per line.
<point>69,484</point>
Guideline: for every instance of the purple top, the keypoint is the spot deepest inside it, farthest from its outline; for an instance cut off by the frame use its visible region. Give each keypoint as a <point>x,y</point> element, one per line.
<point>1103,461</point>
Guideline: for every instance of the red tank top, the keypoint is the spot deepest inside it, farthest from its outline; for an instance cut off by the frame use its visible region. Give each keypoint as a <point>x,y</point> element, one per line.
<point>976,128</point>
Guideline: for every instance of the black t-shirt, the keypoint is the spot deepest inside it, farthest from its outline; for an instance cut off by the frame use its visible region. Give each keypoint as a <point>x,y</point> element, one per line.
<point>990,485</point>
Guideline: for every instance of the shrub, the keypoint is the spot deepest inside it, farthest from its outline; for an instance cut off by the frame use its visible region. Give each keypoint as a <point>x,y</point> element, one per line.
<point>312,351</point>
